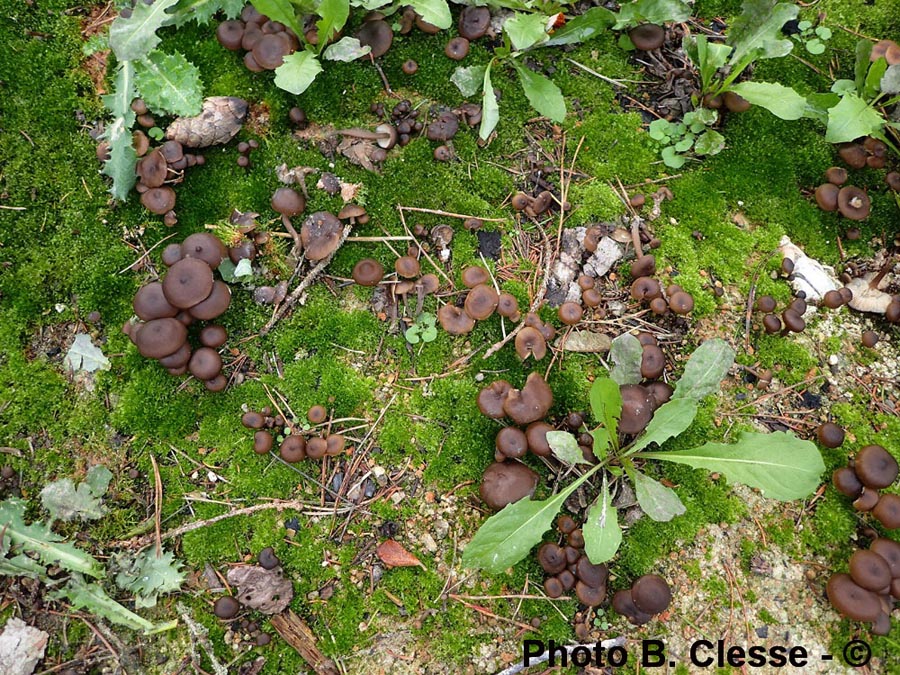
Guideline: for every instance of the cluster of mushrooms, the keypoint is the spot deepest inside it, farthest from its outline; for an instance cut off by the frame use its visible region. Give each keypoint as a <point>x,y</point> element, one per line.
<point>791,320</point>
<point>244,149</point>
<point>187,293</point>
<point>293,447</point>
<point>640,401</point>
<point>568,567</point>
<point>852,202</point>
<point>479,303</point>
<point>648,290</point>
<point>226,607</point>
<point>535,205</point>
<point>370,272</point>
<point>265,42</point>
<point>871,588</point>
<point>648,596</point>
<point>403,124</point>
<point>872,469</point>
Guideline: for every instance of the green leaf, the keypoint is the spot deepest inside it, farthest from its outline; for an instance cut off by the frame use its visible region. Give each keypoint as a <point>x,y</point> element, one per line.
<point>656,500</point>
<point>147,576</point>
<point>22,566</point>
<point>817,106</point>
<point>756,33</point>
<point>705,370</point>
<point>507,537</point>
<point>135,37</point>
<point>602,534</point>
<point>202,11</point>
<point>781,465</point>
<point>122,157</point>
<point>83,355</point>
<point>169,83</point>
<point>685,143</point>
<point>526,30</point>
<point>707,56</point>
<point>282,11</point>
<point>863,52</point>
<point>781,101</point>
<point>435,12</point>
<point>297,72</point>
<point>565,448</point>
<point>707,116</point>
<point>651,11</point>
<point>582,28</point>
<point>334,15</point>
<point>660,130</point>
<point>346,49</point>
<point>625,352</point>
<point>92,597</point>
<point>490,110</point>
<point>672,159</point>
<point>710,142</point>
<point>66,502</point>
<point>890,82</point>
<point>815,46</point>
<point>873,79</point>
<point>606,405</point>
<point>602,441</point>
<point>412,334</point>
<point>851,118</point>
<point>669,420</point>
<point>429,334</point>
<point>544,96</point>
<point>823,32</point>
<point>468,79</point>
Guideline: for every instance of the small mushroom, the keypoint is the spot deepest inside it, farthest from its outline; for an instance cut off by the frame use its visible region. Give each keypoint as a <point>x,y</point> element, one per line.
<point>536,435</point>
<point>507,482</point>
<point>637,408</point>
<point>368,272</point>
<point>153,169</point>
<point>851,600</point>
<point>288,202</point>
<point>474,22</point>
<point>647,36</point>
<point>454,320</point>
<point>206,247</point>
<point>644,266</point>
<point>159,200</point>
<point>177,359</point>
<point>508,306</point>
<point>793,322</point>
<point>591,574</point>
<point>853,202</point>
<point>875,466</point>
<point>531,403</point>
<point>681,303</point>
<point>511,442</point>
<point>492,397</point>
<point>624,605</point>
<point>660,393</point>
<point>171,254</point>
<point>867,500</point>
<point>836,175</point>
<point>589,595</point>
<point>481,302</point>
<point>187,282</point>
<point>215,303</point>
<point>735,102</point>
<point>887,511</point>
<point>409,67</point>
<point>317,414</point>
<point>253,420</point>
<point>890,551</point>
<point>262,442</point>
<point>830,434</point>
<point>570,313</point>
<point>376,34</point>
<point>320,234</point>
<point>160,337</point>
<point>150,303</point>
<point>853,154</point>
<point>443,128</point>
<point>553,587</point>
<point>406,266</point>
<point>474,275</point>
<point>229,34</point>
<point>653,362</point>
<point>645,288</point>
<point>205,363</point>
<point>551,558</point>
<point>651,594</point>
<point>293,449</point>
<point>457,48</point>
<point>267,558</point>
<point>316,448</point>
<point>226,607</point>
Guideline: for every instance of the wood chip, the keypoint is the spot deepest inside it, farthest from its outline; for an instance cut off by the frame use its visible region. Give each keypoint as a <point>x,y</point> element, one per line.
<point>298,635</point>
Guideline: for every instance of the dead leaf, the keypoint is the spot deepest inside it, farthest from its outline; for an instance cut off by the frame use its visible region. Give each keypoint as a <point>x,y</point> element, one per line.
<point>585,341</point>
<point>265,590</point>
<point>359,151</point>
<point>21,647</point>
<point>393,554</point>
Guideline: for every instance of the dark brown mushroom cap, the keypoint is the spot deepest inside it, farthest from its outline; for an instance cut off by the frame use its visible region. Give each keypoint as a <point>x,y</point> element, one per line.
<point>869,339</point>
<point>660,393</point>
<point>150,302</point>
<point>293,449</point>
<point>481,302</point>
<point>377,35</point>
<point>624,605</point>
<point>205,363</point>
<point>160,337</point>
<point>869,570</point>
<point>647,36</point>
<point>215,304</point>
<point>890,551</point>
<point>406,266</point>
<point>637,408</point>
<point>316,448</point>
<point>659,306</point>
<point>567,579</point>
<point>836,175</point>
<point>591,574</point>
<point>206,247</point>
<point>551,558</point>
<point>454,320</point>
<point>492,397</point>
<point>457,48</point>
<point>645,288</point>
<point>521,201</point>
<point>172,254</point>
<point>229,34</point>
<point>833,299</point>
<point>218,383</point>
<point>882,625</point>
<point>507,305</point>
<point>653,362</point>
<point>589,595</point>
<point>253,420</point>
<point>349,211</point>
<point>531,403</point>
<point>270,49</point>
<point>430,283</point>
<point>892,178</point>
<point>507,482</point>
<point>570,313</point>
<point>474,275</point>
<point>875,466</point>
<point>188,282</point>
<point>536,435</point>
<point>267,558</point>
<point>443,128</point>
<point>592,297</point>
<point>765,303</point>
<point>530,342</point>
<point>575,538</point>
<point>213,336</point>
<point>317,414</point>
<point>566,524</point>
<point>887,511</point>
<point>846,482</point>
<point>262,442</point>
<point>793,321</point>
<point>854,155</point>
<point>287,202</point>
<point>644,266</point>
<point>681,303</point>
<point>867,500</point>
<point>851,600</point>
<point>334,445</point>
<point>735,102</point>
<point>771,323</point>
<point>226,607</point>
<point>511,442</point>
<point>853,203</point>
<point>830,434</point>
<point>153,170</point>
<point>320,234</point>
<point>651,594</point>
<point>250,62</point>
<point>474,22</point>
<point>177,359</point>
<point>159,200</point>
<point>368,272</point>
<point>553,587</point>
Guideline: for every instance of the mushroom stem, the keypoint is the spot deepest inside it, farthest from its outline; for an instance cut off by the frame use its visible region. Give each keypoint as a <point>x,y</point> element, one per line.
<point>636,238</point>
<point>876,280</point>
<point>289,226</point>
<point>363,133</point>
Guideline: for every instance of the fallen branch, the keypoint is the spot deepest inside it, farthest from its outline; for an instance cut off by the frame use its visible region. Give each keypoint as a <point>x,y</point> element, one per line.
<point>199,636</point>
<point>298,635</point>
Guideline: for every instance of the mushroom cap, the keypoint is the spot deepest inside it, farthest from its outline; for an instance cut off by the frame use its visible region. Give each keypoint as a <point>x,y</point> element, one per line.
<point>833,299</point>
<point>177,359</point>
<point>159,200</point>
<point>206,247</point>
<point>681,302</point>
<point>570,313</point>
<point>869,570</point>
<point>407,266</point>
<point>531,403</point>
<point>215,303</point>
<point>771,323</point>
<point>474,22</point>
<point>150,302</point>
<point>765,303</point>
<point>867,500</point>
<point>551,558</point>
<point>351,211</point>
<point>875,466</point>
<point>851,600</point>
<point>287,202</point>
<point>645,288</point>
<point>454,320</point>
<point>892,178</point>
<point>887,511</point>
<point>153,169</point>
<point>624,605</point>
<point>890,551</point>
<point>575,538</point>
<point>846,482</point>
<point>262,442</point>
<point>507,305</point>
<point>735,102</point>
<point>836,175</point>
<point>253,420</point>
<point>481,302</point>
<point>507,482</point>
<point>443,128</point>
<point>368,272</point>
<point>827,196</point>
<point>853,202</point>
<point>293,449</point>
<point>651,594</point>
<point>590,595</point>
<point>566,524</point>
<point>321,234</point>
<point>270,49</point>
<point>188,282</point>
<point>474,275</point>
<point>317,414</point>
<point>218,383</point>
<point>592,297</point>
<point>430,283</point>
<point>530,341</point>
<point>637,408</point>
<point>653,362</point>
<point>267,558</point>
<point>647,36</point>
<point>793,321</point>
<point>213,336</point>
<point>660,393</point>
<point>457,48</point>
<point>205,363</point>
<point>172,254</point>
<point>377,35</point>
<point>553,587</point>
<point>830,434</point>
<point>229,34</point>
<point>536,435</point>
<point>492,397</point>
<point>591,574</point>
<point>854,155</point>
<point>160,337</point>
<point>334,445</point>
<point>511,442</point>
<point>226,607</point>
<point>644,266</point>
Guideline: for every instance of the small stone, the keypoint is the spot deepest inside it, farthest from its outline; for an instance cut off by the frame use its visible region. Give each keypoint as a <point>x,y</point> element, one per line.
<point>762,632</point>
<point>429,543</point>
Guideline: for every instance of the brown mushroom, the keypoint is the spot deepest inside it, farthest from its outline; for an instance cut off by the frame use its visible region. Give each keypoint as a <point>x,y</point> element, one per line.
<point>406,266</point>
<point>651,594</point>
<point>851,600</point>
<point>229,34</point>
<point>443,128</point>
<point>177,359</point>
<point>653,362</point>
<point>454,320</point>
<point>160,337</point>
<point>153,169</point>
<point>205,363</point>
<point>530,342</point>
<point>647,36</point>
<point>474,275</point>
<point>644,266</point>
<point>645,288</point>
<point>830,434</point>
<point>368,272</point>
<point>206,247</point>
<point>316,447</point>
<point>213,336</point>
<point>317,414</point>
<point>474,22</point>
<point>187,282</point>
<point>853,154</point>
<point>536,435</point>
<point>159,200</point>
<point>511,442</point>
<point>551,558</point>
<point>735,102</point>
<point>846,482</point>
<point>492,398</point>
<point>253,420</point>
<point>853,202</point>
<point>531,403</point>
<point>150,302</point>
<point>508,306</point>
<point>875,466</point>
<point>457,48</point>
<point>293,449</point>
<point>262,442</point>
<point>589,595</point>
<point>624,605</point>
<point>591,574</point>
<point>334,445</point>
<point>570,313</point>
<point>507,482</point>
<point>320,234</point>
<point>887,511</point>
<point>681,303</point>
<point>481,302</point>
<point>171,254</point>
<point>890,551</point>
<point>288,202</point>
<point>637,408</point>
<point>215,303</point>
<point>376,34</point>
<point>867,500</point>
<point>793,322</point>
<point>836,175</point>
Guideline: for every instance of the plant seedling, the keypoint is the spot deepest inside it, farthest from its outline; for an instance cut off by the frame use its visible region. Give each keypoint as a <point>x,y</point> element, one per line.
<point>813,37</point>
<point>693,135</point>
<point>422,330</point>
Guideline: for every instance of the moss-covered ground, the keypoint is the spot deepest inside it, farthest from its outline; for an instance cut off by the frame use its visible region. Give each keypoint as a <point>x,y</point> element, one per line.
<point>67,251</point>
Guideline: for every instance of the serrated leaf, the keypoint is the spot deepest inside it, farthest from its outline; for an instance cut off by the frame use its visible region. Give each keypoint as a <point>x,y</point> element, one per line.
<point>606,405</point>
<point>756,33</point>
<point>66,502</point>
<point>781,465</point>
<point>135,37</point>
<point>122,157</point>
<point>582,28</point>
<point>334,15</point>
<point>705,370</point>
<point>507,537</point>
<point>83,355</point>
<point>602,441</point>
<point>468,79</point>
<point>542,94</point>
<point>890,81</point>
<point>297,72</point>
<point>91,596</point>
<point>346,49</point>
<point>669,420</point>
<point>625,353</point>
<point>525,30</point>
<point>659,502</point>
<point>651,11</point>
<point>22,566</point>
<point>851,118</point>
<point>490,110</point>
<point>435,12</point>
<point>602,534</point>
<point>169,83</point>
<point>282,11</point>
<point>671,158</point>
<point>147,576</point>
<point>202,11</point>
<point>781,101</point>
<point>565,448</point>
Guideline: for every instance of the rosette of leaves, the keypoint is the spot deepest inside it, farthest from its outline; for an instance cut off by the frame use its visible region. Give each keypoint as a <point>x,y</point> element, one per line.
<point>694,135</point>
<point>812,36</point>
<point>422,330</point>
<point>780,465</point>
